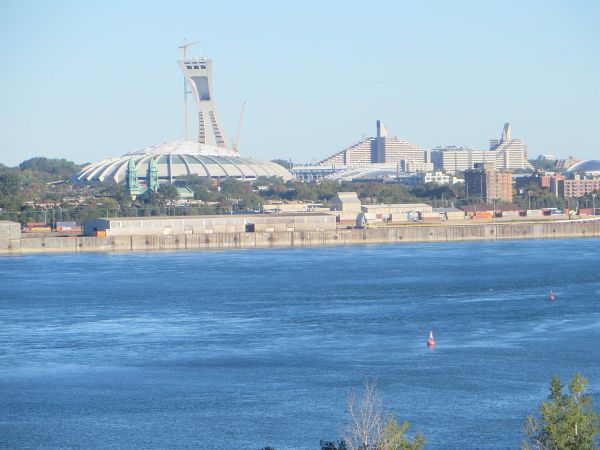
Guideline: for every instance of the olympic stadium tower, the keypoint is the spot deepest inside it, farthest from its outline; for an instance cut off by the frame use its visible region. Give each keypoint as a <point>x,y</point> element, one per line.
<point>209,155</point>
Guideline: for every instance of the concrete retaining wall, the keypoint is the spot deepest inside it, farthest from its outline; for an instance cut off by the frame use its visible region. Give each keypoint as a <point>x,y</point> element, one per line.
<point>407,233</point>
<point>10,236</point>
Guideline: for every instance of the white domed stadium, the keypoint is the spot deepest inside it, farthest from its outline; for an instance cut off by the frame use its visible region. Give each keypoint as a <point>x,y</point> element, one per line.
<point>589,167</point>
<point>209,156</point>
<point>178,160</point>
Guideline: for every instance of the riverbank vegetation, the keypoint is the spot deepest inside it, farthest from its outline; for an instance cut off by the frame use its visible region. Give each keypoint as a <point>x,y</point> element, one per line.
<point>565,421</point>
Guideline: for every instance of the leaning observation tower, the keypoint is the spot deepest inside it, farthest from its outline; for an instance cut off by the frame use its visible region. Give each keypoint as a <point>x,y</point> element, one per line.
<point>198,77</point>
<point>207,154</point>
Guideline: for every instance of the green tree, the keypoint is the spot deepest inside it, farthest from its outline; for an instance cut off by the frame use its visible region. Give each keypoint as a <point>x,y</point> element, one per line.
<point>203,187</point>
<point>168,193</point>
<point>149,198</point>
<point>53,168</point>
<point>394,437</point>
<point>332,445</point>
<point>567,420</point>
<point>10,185</point>
<point>118,191</point>
<point>369,428</point>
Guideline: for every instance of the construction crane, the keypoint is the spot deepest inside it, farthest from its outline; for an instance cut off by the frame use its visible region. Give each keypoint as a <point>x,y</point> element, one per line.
<point>184,47</point>
<point>236,140</point>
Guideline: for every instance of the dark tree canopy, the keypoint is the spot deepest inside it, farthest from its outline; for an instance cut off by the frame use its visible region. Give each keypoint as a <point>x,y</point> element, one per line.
<point>9,191</point>
<point>55,168</point>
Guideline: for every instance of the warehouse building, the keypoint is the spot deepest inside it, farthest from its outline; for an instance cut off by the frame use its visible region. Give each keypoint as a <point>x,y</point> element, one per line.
<point>130,226</point>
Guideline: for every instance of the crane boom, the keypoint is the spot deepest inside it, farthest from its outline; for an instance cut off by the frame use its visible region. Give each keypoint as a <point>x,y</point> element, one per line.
<point>186,45</point>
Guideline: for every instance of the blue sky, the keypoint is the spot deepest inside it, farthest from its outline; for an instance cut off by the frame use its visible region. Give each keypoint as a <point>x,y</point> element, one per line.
<point>90,80</point>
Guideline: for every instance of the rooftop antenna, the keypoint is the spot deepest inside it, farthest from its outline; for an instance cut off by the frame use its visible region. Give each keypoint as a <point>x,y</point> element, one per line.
<point>184,47</point>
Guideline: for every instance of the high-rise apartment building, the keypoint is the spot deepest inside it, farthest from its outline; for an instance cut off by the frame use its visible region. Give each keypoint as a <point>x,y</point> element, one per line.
<point>576,187</point>
<point>488,183</point>
<point>505,153</point>
<point>457,159</point>
<point>376,150</point>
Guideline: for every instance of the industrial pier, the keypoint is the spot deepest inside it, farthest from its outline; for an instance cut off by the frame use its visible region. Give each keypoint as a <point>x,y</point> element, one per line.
<point>11,241</point>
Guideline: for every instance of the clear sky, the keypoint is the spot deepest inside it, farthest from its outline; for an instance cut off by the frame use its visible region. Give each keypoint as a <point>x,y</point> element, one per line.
<point>86,80</point>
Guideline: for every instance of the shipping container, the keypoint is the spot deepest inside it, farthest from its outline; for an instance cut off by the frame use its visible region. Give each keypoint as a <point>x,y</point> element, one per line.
<point>551,211</point>
<point>40,229</point>
<point>455,215</point>
<point>66,224</point>
<point>534,213</point>
<point>36,224</point>
<point>37,229</point>
<point>68,228</point>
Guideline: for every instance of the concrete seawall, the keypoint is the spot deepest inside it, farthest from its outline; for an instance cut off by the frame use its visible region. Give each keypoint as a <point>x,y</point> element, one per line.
<point>398,234</point>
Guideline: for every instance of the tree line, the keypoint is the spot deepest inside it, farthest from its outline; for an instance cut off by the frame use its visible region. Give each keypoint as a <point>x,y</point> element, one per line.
<point>33,180</point>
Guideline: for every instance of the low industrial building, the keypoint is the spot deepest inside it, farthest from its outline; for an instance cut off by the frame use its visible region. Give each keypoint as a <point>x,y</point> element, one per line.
<point>398,212</point>
<point>131,226</point>
<point>293,207</point>
<point>347,206</point>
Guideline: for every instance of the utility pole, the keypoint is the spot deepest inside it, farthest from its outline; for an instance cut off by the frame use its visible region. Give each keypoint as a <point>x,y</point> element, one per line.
<point>236,140</point>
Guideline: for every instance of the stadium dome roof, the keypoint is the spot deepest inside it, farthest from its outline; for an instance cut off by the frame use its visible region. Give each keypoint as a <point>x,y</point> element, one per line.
<point>181,159</point>
<point>590,165</point>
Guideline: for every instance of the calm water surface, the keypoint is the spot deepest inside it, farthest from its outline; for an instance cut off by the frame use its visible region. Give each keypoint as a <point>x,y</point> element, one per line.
<point>243,349</point>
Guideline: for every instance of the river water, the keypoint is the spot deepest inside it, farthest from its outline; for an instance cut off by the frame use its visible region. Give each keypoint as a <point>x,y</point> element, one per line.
<point>247,348</point>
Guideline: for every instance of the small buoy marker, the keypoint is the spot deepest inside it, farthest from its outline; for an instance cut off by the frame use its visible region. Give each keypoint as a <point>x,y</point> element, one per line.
<point>551,295</point>
<point>430,340</point>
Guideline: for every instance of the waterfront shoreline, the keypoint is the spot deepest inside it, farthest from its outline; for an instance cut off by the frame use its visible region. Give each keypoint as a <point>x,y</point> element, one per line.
<point>379,235</point>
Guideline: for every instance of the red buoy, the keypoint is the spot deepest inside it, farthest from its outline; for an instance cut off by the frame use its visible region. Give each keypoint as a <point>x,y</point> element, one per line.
<point>430,340</point>
<point>551,296</point>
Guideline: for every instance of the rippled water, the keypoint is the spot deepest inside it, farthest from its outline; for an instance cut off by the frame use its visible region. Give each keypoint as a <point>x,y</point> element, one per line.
<point>247,348</point>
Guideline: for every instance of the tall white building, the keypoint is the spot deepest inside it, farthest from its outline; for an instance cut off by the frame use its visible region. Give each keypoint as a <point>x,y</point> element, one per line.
<point>511,152</point>
<point>377,150</point>
<point>458,159</point>
<point>505,153</point>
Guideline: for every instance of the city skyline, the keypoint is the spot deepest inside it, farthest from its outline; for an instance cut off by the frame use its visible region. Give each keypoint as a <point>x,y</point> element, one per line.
<point>92,81</point>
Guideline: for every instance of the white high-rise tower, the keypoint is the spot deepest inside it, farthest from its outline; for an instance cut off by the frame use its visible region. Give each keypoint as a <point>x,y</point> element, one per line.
<point>198,75</point>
